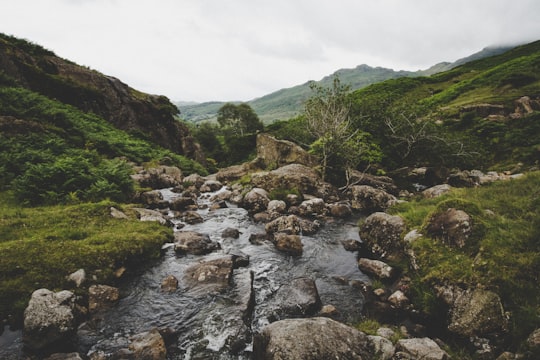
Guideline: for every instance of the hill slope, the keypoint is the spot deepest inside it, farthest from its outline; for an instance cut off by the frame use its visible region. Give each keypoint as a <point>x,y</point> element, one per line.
<point>287,103</point>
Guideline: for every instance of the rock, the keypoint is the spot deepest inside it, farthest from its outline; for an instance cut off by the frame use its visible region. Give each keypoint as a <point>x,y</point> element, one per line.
<point>256,200</point>
<point>191,217</point>
<point>150,215</point>
<point>210,276</point>
<point>78,277</point>
<point>351,245</point>
<point>182,203</point>
<point>368,199</point>
<point>148,346</point>
<point>293,225</point>
<point>294,176</point>
<point>273,152</point>
<point>152,198</point>
<point>463,179</point>
<point>533,342</point>
<point>49,321</point>
<point>386,333</point>
<point>310,339</point>
<point>453,227</point>
<point>507,356</point>
<point>384,183</point>
<point>436,191</point>
<point>340,210</point>
<point>421,348</point>
<point>233,173</point>
<point>230,233</point>
<point>193,180</point>
<point>169,284</point>
<point>65,356</point>
<point>239,258</point>
<point>211,186</point>
<point>381,347</point>
<point>376,268</point>
<point>159,177</point>
<point>381,233</point>
<point>290,244</point>
<point>312,207</point>
<point>117,214</point>
<point>298,298</point>
<point>328,311</point>
<point>222,196</point>
<point>101,297</point>
<point>477,312</point>
<point>192,242</point>
<point>277,206</point>
<point>398,300</point>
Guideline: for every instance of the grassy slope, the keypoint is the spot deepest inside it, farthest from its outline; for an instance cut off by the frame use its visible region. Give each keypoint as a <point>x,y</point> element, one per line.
<point>503,254</point>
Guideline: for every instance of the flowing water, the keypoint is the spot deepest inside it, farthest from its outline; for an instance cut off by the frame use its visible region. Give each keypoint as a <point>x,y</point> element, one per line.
<point>203,322</point>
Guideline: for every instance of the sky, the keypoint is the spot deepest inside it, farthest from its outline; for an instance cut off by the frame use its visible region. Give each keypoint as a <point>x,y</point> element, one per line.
<point>238,50</point>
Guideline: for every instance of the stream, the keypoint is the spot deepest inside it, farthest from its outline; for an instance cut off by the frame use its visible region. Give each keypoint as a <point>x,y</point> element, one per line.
<point>201,323</point>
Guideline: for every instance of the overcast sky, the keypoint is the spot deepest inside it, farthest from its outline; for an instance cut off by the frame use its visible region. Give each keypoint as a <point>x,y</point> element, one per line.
<point>202,50</point>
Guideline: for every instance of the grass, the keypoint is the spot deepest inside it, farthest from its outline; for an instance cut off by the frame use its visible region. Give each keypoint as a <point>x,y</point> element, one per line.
<point>40,246</point>
<point>503,253</point>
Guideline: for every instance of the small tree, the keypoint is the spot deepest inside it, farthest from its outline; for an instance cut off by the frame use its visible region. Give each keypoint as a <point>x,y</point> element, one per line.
<point>240,118</point>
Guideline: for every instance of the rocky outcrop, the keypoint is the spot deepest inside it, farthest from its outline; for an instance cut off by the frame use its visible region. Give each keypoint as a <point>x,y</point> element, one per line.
<point>381,233</point>
<point>276,153</point>
<point>317,338</point>
<point>191,242</point>
<point>453,227</point>
<point>50,321</point>
<point>126,108</point>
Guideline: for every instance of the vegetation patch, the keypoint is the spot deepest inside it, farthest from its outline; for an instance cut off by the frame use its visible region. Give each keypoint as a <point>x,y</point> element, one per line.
<point>40,246</point>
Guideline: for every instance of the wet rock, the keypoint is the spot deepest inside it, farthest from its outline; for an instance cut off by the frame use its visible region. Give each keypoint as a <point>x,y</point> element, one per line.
<point>49,321</point>
<point>101,297</point>
<point>230,233</point>
<point>191,217</point>
<point>192,242</point>
<point>150,215</point>
<point>340,210</point>
<point>376,268</point>
<point>290,244</point>
<point>310,339</point>
<point>453,227</point>
<point>351,245</point>
<point>182,203</point>
<point>169,284</point>
<point>211,185</point>
<point>381,233</point>
<point>421,348</point>
<point>193,180</point>
<point>436,191</point>
<point>148,346</point>
<point>221,196</point>
<point>258,239</point>
<point>209,276</point>
<point>262,217</point>
<point>298,298</point>
<point>256,200</point>
<point>277,206</point>
<point>222,204</point>
<point>312,207</point>
<point>477,312</point>
<point>239,258</point>
<point>381,347</point>
<point>78,277</point>
<point>292,224</point>
<point>368,199</point>
<point>65,356</point>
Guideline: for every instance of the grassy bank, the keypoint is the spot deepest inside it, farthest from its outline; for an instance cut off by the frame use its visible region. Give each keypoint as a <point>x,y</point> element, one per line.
<point>503,253</point>
<point>40,246</point>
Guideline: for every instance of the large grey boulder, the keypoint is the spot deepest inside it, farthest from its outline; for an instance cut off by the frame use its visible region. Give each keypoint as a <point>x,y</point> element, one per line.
<point>453,227</point>
<point>192,242</point>
<point>381,233</point>
<point>421,348</point>
<point>274,152</point>
<point>316,338</point>
<point>159,177</point>
<point>477,312</point>
<point>49,321</point>
<point>298,298</point>
<point>369,199</point>
<point>293,225</point>
<point>256,200</point>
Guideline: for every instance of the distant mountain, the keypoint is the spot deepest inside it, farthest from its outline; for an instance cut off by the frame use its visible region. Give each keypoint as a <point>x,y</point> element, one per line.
<point>287,103</point>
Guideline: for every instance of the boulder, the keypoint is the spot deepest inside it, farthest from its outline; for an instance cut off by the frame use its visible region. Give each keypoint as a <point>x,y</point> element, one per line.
<point>233,173</point>
<point>211,186</point>
<point>277,206</point>
<point>317,338</point>
<point>421,348</point>
<point>477,312</point>
<point>78,277</point>
<point>193,180</point>
<point>293,225</point>
<point>152,198</point>
<point>230,233</point>
<point>169,284</point>
<point>159,177</point>
<point>312,207</point>
<point>65,356</point>
<point>453,227</point>
<point>340,210</point>
<point>101,297</point>
<point>192,242</point>
<point>381,233</point>
<point>298,298</point>
<point>117,214</point>
<point>436,191</point>
<point>351,245</point>
<point>290,244</point>
<point>381,347</point>
<point>191,217</point>
<point>274,152</point>
<point>378,182</point>
<point>376,268</point>
<point>210,276</point>
<point>150,215</point>
<point>463,179</point>
<point>369,199</point>
<point>398,299</point>
<point>533,342</point>
<point>182,203</point>
<point>49,321</point>
<point>148,346</point>
<point>256,200</point>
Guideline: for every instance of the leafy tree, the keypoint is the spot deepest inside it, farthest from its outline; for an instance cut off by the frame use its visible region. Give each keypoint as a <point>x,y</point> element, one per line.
<point>240,118</point>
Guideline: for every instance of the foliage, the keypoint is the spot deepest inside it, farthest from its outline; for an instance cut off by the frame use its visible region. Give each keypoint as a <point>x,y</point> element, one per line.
<point>40,246</point>
<point>504,253</point>
<point>240,118</point>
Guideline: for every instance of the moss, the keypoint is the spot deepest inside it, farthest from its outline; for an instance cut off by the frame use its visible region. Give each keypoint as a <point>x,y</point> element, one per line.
<point>40,246</point>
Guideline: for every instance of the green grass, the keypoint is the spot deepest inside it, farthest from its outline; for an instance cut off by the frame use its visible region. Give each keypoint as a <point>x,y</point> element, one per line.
<point>40,246</point>
<point>503,253</point>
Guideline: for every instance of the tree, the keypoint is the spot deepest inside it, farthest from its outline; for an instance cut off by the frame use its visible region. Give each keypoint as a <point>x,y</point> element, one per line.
<point>240,118</point>
<point>338,144</point>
